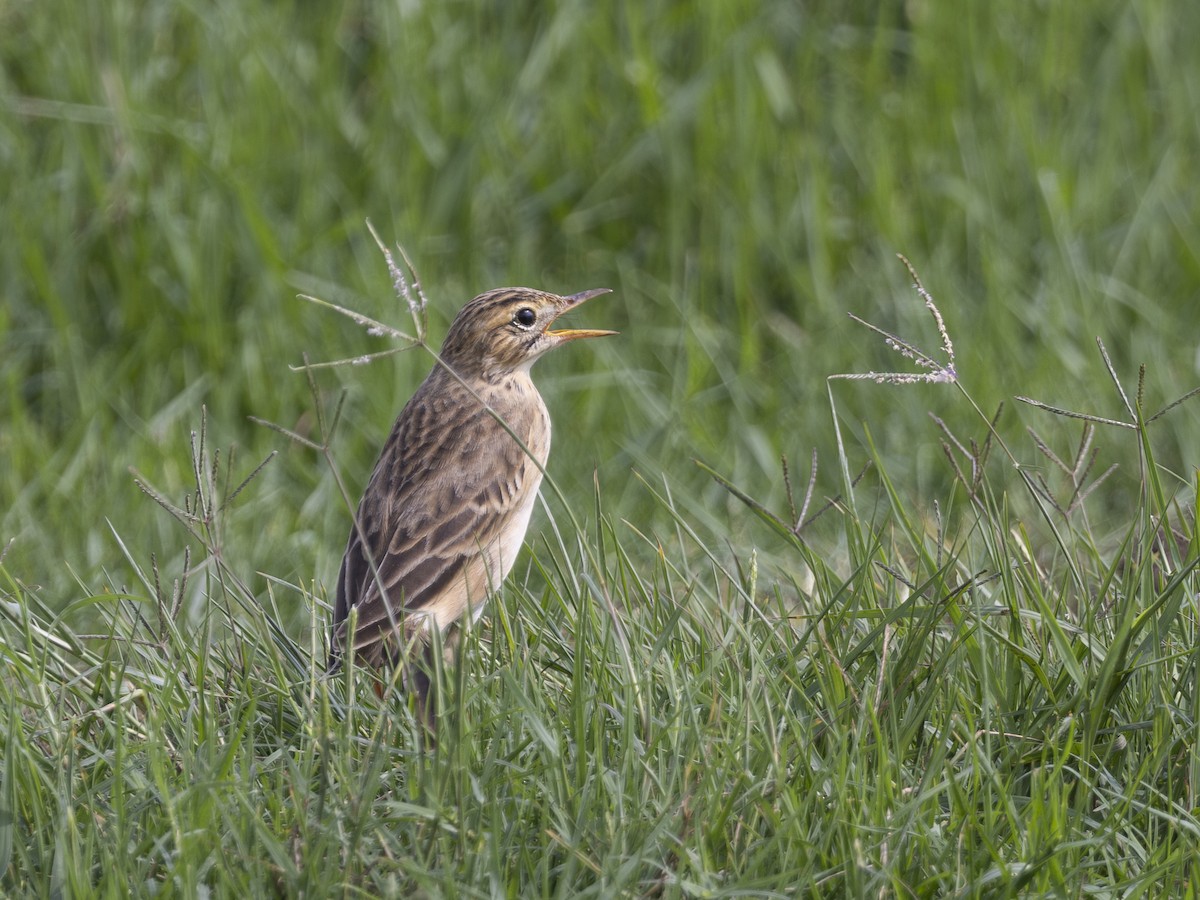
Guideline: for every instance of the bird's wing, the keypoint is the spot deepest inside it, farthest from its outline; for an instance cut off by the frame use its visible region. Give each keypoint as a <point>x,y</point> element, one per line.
<point>432,519</point>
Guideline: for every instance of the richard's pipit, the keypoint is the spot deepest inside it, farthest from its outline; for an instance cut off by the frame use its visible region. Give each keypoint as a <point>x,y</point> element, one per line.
<point>446,509</point>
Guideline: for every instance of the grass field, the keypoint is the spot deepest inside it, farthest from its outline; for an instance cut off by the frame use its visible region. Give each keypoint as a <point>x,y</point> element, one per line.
<point>971,672</point>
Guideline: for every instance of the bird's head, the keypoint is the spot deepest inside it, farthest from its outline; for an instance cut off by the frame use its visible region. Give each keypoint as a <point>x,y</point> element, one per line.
<point>506,330</point>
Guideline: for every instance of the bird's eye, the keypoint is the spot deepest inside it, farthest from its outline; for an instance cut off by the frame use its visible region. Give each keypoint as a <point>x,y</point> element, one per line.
<point>525,317</point>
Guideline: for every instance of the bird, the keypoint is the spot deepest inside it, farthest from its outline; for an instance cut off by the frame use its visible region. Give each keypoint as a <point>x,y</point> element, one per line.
<point>445,512</point>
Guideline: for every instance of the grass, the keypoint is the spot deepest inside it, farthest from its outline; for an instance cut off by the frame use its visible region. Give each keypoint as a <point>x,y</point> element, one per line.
<point>972,673</point>
<point>908,715</point>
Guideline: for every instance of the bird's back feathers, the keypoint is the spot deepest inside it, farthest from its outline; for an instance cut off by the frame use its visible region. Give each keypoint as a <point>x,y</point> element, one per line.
<point>441,526</point>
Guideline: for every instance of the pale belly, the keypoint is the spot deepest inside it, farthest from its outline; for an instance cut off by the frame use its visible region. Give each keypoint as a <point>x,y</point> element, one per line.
<point>497,560</point>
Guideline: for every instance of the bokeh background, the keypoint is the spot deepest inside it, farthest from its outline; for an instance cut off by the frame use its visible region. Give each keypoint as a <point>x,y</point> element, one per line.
<point>173,175</point>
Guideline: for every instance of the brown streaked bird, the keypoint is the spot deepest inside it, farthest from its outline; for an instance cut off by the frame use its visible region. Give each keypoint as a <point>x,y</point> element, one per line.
<point>445,512</point>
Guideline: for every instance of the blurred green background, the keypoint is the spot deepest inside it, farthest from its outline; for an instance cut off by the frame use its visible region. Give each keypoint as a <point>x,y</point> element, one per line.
<point>741,174</point>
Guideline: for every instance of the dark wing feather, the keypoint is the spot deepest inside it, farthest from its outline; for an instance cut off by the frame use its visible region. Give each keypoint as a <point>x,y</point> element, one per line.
<point>433,503</point>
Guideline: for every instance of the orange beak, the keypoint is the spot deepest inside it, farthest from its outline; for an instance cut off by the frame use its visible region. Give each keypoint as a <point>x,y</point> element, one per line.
<point>570,303</point>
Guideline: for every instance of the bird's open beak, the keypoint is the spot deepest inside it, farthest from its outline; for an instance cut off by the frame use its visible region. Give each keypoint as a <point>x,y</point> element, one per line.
<point>573,301</point>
